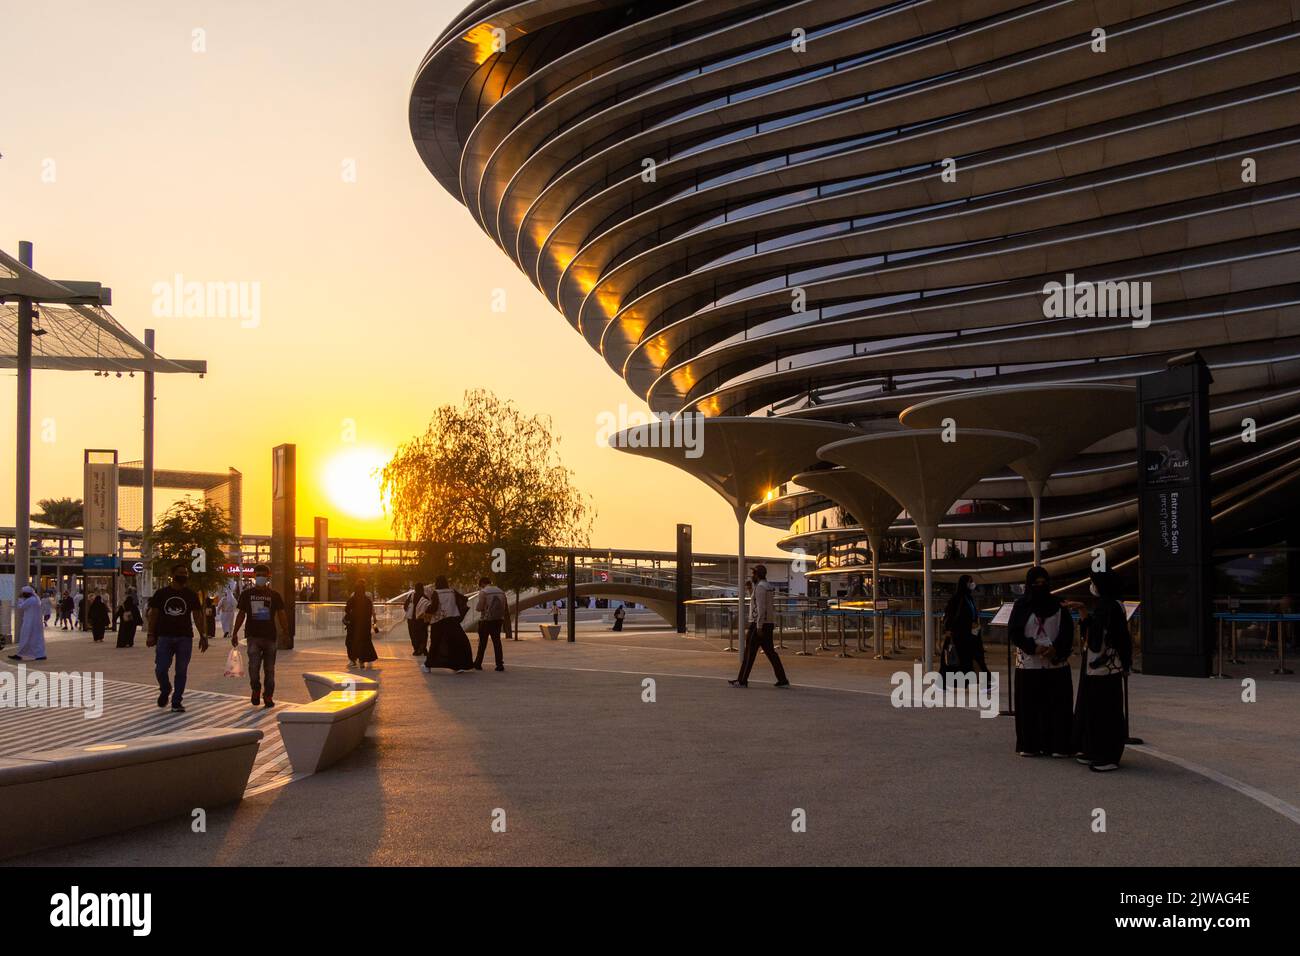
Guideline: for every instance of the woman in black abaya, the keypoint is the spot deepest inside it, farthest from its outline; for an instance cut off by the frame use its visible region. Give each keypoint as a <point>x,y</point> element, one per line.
<point>359,616</point>
<point>1042,631</point>
<point>448,644</point>
<point>1099,724</point>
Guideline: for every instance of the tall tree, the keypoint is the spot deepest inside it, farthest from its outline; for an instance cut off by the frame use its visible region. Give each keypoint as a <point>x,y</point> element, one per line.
<point>485,489</point>
<point>194,533</point>
<point>59,512</point>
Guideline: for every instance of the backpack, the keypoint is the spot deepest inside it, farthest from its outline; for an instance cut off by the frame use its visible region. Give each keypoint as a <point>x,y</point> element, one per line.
<point>495,607</point>
<point>462,604</point>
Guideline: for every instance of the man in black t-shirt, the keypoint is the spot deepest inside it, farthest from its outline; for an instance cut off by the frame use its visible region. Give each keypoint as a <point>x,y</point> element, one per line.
<point>263,608</point>
<point>171,611</point>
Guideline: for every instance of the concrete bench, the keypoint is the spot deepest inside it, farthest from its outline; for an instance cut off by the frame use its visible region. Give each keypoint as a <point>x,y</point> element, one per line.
<point>55,797</point>
<point>323,732</point>
<point>550,632</point>
<point>321,683</point>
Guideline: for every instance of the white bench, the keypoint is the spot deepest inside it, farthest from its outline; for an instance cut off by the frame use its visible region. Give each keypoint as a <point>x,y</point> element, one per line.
<point>550,632</point>
<point>321,683</point>
<point>55,797</point>
<point>323,732</point>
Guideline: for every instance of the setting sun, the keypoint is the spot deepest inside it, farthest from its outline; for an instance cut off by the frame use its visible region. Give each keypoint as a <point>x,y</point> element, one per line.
<point>351,481</point>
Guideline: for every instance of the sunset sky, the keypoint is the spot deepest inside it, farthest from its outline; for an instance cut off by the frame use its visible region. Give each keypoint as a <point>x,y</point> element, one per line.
<point>229,166</point>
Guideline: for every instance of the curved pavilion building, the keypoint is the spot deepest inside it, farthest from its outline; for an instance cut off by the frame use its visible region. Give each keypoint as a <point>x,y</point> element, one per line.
<point>839,210</point>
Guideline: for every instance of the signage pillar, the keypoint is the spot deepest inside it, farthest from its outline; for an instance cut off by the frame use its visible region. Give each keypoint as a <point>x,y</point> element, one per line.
<point>1173,440</point>
<point>321,551</point>
<point>685,564</point>
<point>284,494</point>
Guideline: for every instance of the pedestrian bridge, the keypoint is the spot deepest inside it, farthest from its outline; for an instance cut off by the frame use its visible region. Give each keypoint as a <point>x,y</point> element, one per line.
<point>660,600</point>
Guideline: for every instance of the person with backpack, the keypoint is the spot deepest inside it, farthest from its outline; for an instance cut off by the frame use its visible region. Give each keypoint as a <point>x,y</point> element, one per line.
<point>493,610</point>
<point>444,608</point>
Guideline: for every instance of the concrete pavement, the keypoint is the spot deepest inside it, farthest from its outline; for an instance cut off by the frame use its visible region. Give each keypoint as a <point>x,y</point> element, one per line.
<point>588,773</point>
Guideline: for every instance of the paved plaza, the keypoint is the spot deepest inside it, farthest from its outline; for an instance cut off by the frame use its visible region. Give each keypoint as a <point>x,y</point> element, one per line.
<point>587,772</point>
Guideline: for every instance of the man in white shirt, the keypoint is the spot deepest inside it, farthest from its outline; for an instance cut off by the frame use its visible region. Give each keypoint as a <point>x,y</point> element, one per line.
<point>761,625</point>
<point>493,611</point>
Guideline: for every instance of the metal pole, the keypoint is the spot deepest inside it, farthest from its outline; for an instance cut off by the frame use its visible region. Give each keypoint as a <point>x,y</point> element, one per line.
<point>146,480</point>
<point>571,598</point>
<point>928,629</point>
<point>23,444</point>
<point>742,512</point>
<point>1036,492</point>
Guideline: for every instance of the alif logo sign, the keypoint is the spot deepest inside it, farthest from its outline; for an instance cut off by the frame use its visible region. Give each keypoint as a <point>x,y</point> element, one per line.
<point>1106,300</point>
<point>94,910</point>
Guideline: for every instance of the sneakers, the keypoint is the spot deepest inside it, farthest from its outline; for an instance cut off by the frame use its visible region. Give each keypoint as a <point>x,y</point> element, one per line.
<point>352,663</point>
<point>256,698</point>
<point>177,709</point>
<point>478,667</point>
<point>269,703</point>
<point>163,698</point>
<point>1025,753</point>
<point>738,683</point>
<point>425,668</point>
<point>1103,767</point>
<point>1083,760</point>
<point>782,683</point>
<point>501,667</point>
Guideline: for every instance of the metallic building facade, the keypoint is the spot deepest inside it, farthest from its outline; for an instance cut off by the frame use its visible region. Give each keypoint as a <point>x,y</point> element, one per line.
<point>839,209</point>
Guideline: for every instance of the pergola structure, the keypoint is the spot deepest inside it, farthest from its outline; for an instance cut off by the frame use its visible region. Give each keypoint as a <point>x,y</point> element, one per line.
<point>64,325</point>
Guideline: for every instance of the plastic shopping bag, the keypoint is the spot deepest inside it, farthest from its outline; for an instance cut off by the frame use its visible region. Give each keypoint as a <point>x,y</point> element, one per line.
<point>234,663</point>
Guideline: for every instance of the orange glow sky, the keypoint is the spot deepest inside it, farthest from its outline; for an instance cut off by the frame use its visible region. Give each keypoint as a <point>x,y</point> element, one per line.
<point>227,166</point>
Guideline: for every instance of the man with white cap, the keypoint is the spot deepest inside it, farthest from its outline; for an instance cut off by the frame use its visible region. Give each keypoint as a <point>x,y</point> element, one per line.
<point>31,632</point>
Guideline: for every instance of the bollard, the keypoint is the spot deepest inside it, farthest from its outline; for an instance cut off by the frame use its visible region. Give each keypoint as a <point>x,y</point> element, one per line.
<point>1281,650</point>
<point>804,616</point>
<point>823,646</point>
<point>780,630</point>
<point>1218,656</point>
<point>844,643</point>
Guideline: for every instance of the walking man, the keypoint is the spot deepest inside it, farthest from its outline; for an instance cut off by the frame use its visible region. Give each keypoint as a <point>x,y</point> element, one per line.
<point>172,611</point>
<point>263,608</point>
<point>493,611</point>
<point>760,631</point>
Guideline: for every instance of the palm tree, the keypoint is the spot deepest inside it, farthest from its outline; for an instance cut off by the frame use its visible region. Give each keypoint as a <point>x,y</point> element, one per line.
<point>59,512</point>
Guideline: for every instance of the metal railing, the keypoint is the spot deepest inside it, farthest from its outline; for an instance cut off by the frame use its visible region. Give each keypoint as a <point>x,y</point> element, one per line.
<point>323,620</point>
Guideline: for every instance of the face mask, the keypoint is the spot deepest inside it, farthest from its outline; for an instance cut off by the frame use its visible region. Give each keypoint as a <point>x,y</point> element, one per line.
<point>262,580</point>
<point>1092,589</point>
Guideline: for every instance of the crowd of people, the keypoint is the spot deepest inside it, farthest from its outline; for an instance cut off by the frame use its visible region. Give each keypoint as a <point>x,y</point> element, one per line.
<point>1051,719</point>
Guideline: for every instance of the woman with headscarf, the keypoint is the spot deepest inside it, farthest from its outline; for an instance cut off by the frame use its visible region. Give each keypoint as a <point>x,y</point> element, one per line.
<point>1042,631</point>
<point>417,629</point>
<point>31,632</point>
<point>359,619</point>
<point>961,623</point>
<point>128,619</point>
<point>98,616</point>
<point>1100,728</point>
<point>448,644</point>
